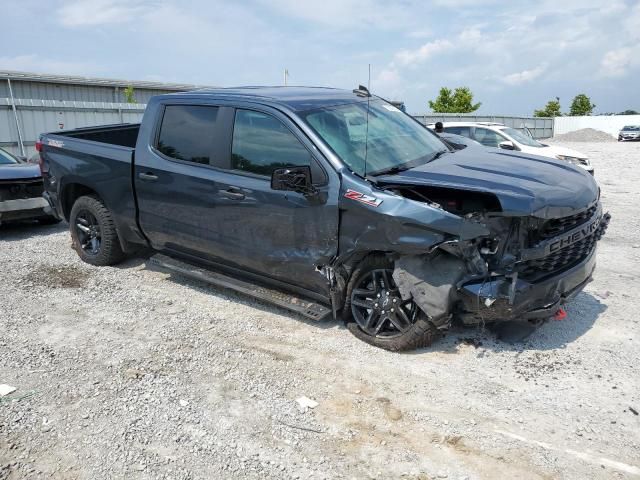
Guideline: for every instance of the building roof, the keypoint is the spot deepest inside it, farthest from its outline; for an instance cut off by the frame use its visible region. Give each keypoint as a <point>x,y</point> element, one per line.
<point>104,82</point>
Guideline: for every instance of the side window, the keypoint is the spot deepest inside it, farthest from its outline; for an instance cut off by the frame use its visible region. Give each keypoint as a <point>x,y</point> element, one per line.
<point>261,143</point>
<point>488,138</point>
<point>187,132</point>
<point>464,131</point>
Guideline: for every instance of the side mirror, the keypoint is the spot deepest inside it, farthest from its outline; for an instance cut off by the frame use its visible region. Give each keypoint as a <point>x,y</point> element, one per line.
<point>507,145</point>
<point>293,179</point>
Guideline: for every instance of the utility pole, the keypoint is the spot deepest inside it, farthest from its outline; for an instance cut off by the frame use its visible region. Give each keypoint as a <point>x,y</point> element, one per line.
<point>369,81</point>
<point>286,76</point>
<point>15,116</point>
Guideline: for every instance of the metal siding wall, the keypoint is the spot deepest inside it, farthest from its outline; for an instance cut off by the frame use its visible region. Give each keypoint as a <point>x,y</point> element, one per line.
<point>49,118</point>
<point>8,132</point>
<point>35,116</point>
<point>540,127</point>
<point>610,124</point>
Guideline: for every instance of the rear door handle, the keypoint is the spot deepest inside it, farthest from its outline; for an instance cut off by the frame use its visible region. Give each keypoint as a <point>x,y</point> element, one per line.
<point>149,177</point>
<point>233,193</point>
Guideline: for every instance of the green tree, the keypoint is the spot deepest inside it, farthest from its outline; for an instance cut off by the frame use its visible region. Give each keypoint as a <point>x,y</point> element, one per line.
<point>552,109</point>
<point>581,105</point>
<point>460,101</point>
<point>129,94</point>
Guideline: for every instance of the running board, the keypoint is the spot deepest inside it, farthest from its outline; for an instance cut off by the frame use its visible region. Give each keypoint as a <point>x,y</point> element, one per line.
<point>308,308</point>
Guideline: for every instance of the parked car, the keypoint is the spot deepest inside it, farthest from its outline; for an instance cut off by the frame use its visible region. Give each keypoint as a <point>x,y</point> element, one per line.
<point>499,136</point>
<point>337,198</point>
<point>629,133</point>
<point>21,191</point>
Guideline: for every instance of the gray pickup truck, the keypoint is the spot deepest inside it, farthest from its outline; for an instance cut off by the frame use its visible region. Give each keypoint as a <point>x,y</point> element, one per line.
<point>329,201</point>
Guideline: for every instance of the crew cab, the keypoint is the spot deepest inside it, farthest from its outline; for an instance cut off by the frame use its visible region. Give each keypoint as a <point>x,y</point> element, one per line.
<point>497,135</point>
<point>329,201</point>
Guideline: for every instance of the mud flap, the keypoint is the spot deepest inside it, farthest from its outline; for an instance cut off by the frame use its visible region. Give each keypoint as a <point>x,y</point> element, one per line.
<point>431,281</point>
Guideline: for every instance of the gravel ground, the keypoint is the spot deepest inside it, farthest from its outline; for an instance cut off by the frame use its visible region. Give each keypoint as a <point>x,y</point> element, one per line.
<point>127,372</point>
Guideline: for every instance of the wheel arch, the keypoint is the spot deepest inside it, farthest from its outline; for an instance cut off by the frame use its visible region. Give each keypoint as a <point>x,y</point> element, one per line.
<point>70,193</point>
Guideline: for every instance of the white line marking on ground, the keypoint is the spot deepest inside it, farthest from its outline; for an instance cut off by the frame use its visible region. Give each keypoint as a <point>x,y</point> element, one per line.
<point>623,467</point>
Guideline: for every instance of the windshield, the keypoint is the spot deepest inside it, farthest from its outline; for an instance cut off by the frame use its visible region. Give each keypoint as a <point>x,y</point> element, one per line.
<point>393,140</point>
<point>522,138</point>
<point>633,128</point>
<point>6,158</point>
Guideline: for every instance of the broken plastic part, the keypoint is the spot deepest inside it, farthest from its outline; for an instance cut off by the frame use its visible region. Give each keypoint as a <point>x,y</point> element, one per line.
<point>561,314</point>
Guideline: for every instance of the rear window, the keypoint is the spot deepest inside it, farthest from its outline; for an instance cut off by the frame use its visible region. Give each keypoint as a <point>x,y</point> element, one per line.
<point>187,133</point>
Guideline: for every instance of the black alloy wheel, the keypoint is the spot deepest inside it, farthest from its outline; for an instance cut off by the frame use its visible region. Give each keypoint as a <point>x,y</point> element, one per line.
<point>88,232</point>
<point>378,308</point>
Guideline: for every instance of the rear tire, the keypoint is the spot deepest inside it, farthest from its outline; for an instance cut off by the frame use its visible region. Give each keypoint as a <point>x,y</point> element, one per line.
<point>93,232</point>
<point>407,328</point>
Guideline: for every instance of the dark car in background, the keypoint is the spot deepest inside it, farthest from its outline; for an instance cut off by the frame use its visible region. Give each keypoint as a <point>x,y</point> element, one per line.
<point>21,191</point>
<point>629,133</point>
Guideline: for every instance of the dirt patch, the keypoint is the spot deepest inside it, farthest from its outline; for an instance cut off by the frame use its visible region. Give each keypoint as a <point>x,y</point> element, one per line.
<point>60,276</point>
<point>391,412</point>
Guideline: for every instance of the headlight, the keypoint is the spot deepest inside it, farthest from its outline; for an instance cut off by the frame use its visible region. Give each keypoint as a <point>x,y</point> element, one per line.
<point>574,160</point>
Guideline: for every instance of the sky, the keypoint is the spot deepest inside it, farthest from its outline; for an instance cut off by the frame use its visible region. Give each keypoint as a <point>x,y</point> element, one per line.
<point>513,55</point>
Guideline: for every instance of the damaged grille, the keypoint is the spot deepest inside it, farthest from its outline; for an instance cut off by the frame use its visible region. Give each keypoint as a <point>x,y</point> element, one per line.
<point>565,257</point>
<point>557,226</point>
<point>20,189</point>
<point>561,259</point>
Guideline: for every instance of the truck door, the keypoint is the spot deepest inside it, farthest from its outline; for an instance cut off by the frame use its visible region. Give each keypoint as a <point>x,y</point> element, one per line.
<point>283,235</point>
<point>175,177</point>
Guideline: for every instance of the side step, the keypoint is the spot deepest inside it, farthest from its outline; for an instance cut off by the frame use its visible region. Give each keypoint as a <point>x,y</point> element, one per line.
<point>308,308</point>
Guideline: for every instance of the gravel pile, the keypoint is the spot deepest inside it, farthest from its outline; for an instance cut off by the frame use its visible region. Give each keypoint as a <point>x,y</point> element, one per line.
<point>129,373</point>
<point>585,135</point>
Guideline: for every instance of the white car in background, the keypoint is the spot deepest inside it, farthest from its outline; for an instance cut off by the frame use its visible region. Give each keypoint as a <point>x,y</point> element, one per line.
<point>499,136</point>
<point>629,133</point>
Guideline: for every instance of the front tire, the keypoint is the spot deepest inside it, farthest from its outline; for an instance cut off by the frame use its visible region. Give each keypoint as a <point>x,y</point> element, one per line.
<point>94,233</point>
<point>375,313</point>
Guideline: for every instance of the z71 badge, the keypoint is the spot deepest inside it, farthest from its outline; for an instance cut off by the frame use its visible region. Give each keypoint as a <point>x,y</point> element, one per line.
<point>362,198</point>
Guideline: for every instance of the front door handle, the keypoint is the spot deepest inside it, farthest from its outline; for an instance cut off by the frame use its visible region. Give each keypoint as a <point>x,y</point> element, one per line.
<point>148,176</point>
<point>233,193</point>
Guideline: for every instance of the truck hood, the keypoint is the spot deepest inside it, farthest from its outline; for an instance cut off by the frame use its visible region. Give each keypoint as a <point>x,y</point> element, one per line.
<point>19,171</point>
<point>525,185</point>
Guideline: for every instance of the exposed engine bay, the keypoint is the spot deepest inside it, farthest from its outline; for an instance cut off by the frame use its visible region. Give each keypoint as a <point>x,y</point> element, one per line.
<point>526,267</point>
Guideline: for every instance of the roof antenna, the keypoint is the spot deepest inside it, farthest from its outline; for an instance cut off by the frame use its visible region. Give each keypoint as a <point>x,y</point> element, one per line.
<point>366,134</point>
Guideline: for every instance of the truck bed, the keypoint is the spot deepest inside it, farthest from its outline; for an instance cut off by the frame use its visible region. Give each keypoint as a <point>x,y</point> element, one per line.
<point>124,134</point>
<point>101,160</point>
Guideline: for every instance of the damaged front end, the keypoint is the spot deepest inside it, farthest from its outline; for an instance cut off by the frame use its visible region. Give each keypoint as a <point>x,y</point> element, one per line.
<point>525,268</point>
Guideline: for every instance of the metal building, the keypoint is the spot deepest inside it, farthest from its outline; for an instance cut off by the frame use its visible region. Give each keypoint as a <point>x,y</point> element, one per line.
<point>32,103</point>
